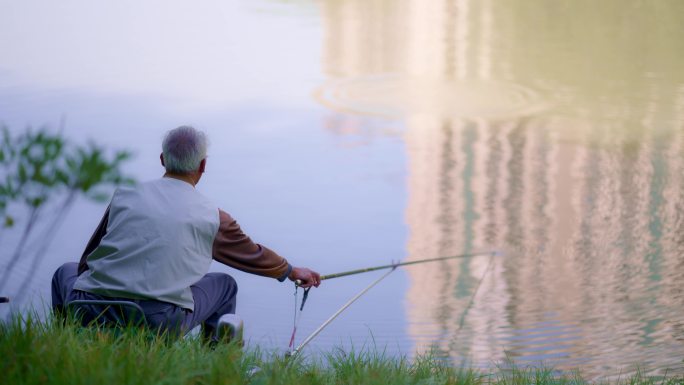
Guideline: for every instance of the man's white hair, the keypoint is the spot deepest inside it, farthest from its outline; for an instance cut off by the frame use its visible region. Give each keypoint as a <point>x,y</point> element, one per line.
<point>184,148</point>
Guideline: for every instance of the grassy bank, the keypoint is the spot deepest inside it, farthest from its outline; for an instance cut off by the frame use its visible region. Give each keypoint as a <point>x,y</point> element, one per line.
<point>38,353</point>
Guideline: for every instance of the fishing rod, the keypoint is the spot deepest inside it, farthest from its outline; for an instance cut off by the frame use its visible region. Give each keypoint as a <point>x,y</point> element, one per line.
<point>295,351</point>
<point>395,265</point>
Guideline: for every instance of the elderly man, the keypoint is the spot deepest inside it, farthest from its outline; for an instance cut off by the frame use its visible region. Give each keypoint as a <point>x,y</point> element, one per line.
<point>156,241</point>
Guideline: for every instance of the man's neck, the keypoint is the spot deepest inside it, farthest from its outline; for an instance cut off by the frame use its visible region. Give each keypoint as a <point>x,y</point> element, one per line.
<point>188,178</point>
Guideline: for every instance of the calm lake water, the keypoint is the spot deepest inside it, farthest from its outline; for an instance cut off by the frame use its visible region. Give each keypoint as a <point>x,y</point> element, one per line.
<point>353,133</point>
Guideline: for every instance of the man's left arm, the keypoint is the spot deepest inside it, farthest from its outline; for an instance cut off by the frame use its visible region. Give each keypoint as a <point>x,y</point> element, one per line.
<point>94,241</point>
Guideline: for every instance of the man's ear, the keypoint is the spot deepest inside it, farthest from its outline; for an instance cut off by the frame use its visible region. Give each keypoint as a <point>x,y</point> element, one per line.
<point>203,164</point>
<point>161,157</point>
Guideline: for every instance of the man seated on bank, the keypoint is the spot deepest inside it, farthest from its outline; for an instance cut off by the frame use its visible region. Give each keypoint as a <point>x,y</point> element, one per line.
<point>156,241</point>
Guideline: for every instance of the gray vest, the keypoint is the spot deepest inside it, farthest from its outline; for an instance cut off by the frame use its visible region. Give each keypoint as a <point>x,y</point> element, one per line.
<point>159,241</point>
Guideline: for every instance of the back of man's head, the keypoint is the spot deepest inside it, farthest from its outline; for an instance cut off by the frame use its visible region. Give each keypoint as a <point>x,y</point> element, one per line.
<point>184,148</point>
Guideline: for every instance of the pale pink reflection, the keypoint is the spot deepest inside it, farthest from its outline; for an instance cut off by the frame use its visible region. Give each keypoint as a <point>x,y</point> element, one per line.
<point>549,135</point>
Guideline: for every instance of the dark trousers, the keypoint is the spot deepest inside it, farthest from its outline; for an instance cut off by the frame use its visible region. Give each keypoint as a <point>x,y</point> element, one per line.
<point>214,295</point>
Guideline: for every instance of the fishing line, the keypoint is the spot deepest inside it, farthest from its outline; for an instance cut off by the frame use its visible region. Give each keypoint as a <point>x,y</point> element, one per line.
<point>472,298</point>
<point>461,322</point>
<point>295,320</point>
<point>297,315</point>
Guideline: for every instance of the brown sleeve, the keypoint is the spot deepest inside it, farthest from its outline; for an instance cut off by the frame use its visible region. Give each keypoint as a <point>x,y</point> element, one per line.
<point>234,248</point>
<point>94,241</point>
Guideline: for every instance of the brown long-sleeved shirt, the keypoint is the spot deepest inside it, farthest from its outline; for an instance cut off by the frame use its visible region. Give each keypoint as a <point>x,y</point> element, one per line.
<point>231,247</point>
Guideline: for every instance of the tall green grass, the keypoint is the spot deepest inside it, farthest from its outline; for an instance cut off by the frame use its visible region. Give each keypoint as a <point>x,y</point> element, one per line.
<point>38,352</point>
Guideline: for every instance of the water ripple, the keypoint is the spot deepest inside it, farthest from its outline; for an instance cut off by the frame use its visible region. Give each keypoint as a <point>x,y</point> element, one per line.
<point>395,96</point>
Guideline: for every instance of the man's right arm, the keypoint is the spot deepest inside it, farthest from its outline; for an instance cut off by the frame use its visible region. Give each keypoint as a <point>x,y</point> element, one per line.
<point>234,248</point>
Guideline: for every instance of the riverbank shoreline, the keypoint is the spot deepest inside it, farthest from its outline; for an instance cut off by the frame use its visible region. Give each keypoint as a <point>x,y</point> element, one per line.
<point>39,352</point>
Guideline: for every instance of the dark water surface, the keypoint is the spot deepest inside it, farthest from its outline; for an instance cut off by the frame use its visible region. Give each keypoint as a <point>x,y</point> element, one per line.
<point>354,133</point>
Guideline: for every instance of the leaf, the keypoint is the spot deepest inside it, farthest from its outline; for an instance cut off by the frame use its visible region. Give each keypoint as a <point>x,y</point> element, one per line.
<point>23,175</point>
<point>9,221</point>
<point>71,163</point>
<point>61,177</point>
<point>122,155</point>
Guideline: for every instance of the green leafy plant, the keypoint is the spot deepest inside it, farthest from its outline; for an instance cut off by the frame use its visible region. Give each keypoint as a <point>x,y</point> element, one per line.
<point>42,175</point>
